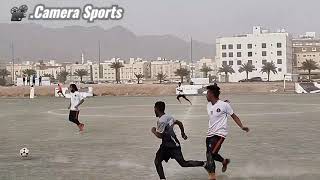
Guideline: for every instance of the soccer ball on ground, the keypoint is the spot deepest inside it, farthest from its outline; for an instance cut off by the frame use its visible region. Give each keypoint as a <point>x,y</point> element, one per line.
<point>24,152</point>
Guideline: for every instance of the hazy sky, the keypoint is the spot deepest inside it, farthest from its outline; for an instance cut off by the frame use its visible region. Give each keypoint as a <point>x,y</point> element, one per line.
<point>202,19</point>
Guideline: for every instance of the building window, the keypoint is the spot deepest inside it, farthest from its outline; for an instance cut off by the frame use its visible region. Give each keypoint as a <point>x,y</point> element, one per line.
<point>224,63</point>
<point>279,70</point>
<point>231,63</point>
<point>238,62</point>
<point>230,46</point>
<point>264,53</point>
<point>304,49</point>
<point>249,54</point>
<point>224,46</point>
<point>279,61</point>
<point>249,61</point>
<point>264,45</point>
<point>264,61</point>
<point>279,53</point>
<point>279,45</point>
<point>224,54</point>
<point>238,54</point>
<point>304,55</point>
<point>249,46</point>
<point>238,46</point>
<point>314,49</point>
<point>230,54</point>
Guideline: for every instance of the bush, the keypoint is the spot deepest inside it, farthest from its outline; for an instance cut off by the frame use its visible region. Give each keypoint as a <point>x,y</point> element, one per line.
<point>3,82</point>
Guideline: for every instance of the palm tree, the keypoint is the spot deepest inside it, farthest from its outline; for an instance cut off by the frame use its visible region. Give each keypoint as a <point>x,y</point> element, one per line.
<point>52,79</point>
<point>182,72</point>
<point>309,65</point>
<point>226,69</point>
<point>29,72</point>
<point>247,68</point>
<point>269,67</point>
<point>116,66</point>
<point>139,76</point>
<point>81,73</point>
<point>205,69</point>
<point>161,77</point>
<point>62,76</point>
<point>4,73</point>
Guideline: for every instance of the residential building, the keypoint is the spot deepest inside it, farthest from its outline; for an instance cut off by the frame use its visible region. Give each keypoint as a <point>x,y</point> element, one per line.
<point>257,48</point>
<point>202,63</point>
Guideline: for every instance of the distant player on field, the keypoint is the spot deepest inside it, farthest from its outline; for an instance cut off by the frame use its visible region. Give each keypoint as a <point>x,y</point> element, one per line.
<point>181,94</point>
<point>60,90</point>
<point>170,147</point>
<point>75,101</point>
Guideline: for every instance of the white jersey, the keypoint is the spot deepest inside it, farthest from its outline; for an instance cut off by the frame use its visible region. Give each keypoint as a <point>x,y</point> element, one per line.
<point>75,99</point>
<point>180,90</point>
<point>218,116</point>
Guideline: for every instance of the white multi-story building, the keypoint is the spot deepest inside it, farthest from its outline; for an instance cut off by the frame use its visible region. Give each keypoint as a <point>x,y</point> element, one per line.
<point>257,48</point>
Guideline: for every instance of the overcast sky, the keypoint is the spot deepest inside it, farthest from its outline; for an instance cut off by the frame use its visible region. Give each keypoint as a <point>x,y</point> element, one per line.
<point>202,19</point>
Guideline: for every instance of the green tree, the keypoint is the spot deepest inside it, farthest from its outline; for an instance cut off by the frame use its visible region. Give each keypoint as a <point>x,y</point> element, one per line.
<point>161,77</point>
<point>29,72</point>
<point>139,76</point>
<point>205,69</point>
<point>269,67</point>
<point>309,65</point>
<point>4,73</point>
<point>81,73</point>
<point>248,67</point>
<point>62,76</point>
<point>117,66</point>
<point>226,69</point>
<point>52,79</point>
<point>182,72</point>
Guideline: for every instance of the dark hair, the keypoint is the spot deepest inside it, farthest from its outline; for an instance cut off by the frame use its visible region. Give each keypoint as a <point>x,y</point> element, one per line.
<point>214,89</point>
<point>74,87</point>
<point>161,106</point>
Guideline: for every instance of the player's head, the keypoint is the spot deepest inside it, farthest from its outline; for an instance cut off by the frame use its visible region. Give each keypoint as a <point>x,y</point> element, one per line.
<point>159,108</point>
<point>213,92</point>
<point>179,84</point>
<point>73,88</point>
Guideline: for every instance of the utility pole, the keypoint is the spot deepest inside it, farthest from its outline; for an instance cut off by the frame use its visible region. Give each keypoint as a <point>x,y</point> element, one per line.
<point>99,64</point>
<point>191,58</point>
<point>12,54</point>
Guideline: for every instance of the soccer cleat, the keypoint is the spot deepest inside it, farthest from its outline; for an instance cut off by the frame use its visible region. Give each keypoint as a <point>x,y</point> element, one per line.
<point>225,165</point>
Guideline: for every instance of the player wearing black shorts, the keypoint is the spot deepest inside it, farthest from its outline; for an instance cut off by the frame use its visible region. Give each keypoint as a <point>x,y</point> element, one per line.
<point>170,147</point>
<point>181,94</point>
<point>75,101</point>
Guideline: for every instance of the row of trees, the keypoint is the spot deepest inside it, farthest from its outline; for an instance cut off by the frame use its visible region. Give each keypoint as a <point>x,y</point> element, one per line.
<point>269,67</point>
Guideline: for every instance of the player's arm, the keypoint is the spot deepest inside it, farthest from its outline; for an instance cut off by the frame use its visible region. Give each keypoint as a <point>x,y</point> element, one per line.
<point>157,134</point>
<point>81,101</point>
<point>69,105</point>
<point>180,124</point>
<point>239,123</point>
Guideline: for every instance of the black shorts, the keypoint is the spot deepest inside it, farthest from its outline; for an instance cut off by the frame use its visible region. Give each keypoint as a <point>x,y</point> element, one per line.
<point>166,153</point>
<point>214,144</point>
<point>73,116</point>
<point>181,95</point>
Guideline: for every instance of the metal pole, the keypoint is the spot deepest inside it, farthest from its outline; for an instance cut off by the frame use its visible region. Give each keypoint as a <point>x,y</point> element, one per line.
<point>13,73</point>
<point>99,65</point>
<point>191,59</point>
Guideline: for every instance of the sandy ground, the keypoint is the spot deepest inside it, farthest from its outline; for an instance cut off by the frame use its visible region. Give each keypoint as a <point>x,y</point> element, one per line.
<point>149,89</point>
<point>117,144</point>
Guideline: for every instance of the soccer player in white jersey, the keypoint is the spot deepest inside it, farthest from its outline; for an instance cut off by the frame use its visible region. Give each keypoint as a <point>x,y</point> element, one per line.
<point>218,112</point>
<point>75,101</point>
<point>170,147</point>
<point>181,94</point>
